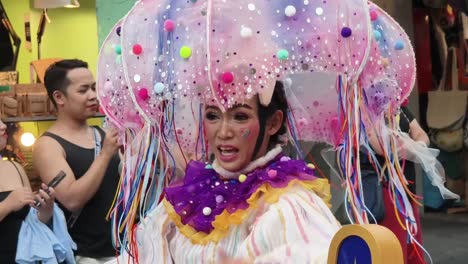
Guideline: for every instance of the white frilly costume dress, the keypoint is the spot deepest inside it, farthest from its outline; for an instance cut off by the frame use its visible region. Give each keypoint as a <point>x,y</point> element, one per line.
<point>288,224</point>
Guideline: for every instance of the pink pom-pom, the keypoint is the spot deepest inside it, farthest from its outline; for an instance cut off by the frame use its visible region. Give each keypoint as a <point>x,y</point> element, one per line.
<point>143,94</point>
<point>373,15</point>
<point>272,173</point>
<point>302,122</point>
<point>101,110</point>
<point>137,49</point>
<point>169,25</point>
<point>228,77</point>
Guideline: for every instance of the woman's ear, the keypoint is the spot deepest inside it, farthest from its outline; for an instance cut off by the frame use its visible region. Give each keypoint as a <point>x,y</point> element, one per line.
<point>274,123</point>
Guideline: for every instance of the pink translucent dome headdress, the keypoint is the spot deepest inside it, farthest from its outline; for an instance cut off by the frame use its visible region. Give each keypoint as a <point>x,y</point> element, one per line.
<point>228,51</point>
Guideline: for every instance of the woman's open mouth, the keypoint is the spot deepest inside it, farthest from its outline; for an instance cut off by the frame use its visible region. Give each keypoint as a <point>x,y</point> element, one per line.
<point>228,153</point>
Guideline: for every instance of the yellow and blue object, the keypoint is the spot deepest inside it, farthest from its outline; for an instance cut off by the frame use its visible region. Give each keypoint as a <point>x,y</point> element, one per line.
<point>365,244</point>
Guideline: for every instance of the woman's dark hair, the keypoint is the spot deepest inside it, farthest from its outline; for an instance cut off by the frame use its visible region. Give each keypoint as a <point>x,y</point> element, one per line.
<point>278,102</point>
<point>11,144</point>
<point>55,78</point>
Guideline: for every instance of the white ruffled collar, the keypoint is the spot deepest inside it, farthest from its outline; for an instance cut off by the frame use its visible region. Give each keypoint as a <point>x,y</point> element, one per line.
<point>262,161</point>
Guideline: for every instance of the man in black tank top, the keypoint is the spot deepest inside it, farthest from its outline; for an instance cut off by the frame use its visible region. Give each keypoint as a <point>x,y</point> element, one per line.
<point>86,154</point>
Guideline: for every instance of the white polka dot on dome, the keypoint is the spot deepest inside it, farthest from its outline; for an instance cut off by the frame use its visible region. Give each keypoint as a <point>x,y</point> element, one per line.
<point>319,11</point>
<point>246,32</point>
<point>306,2</point>
<point>251,7</point>
<point>290,11</point>
<point>137,78</point>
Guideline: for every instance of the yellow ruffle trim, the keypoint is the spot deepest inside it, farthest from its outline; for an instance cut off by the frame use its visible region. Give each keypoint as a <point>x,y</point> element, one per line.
<point>224,220</point>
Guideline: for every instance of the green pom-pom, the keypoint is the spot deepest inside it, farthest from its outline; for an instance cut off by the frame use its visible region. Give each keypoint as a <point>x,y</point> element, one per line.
<point>283,54</point>
<point>118,49</point>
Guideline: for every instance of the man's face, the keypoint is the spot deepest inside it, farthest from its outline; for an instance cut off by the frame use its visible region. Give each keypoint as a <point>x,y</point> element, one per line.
<point>80,100</point>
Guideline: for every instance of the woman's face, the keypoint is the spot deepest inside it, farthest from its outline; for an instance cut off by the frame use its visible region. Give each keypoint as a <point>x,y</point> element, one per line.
<point>232,135</point>
<point>3,135</point>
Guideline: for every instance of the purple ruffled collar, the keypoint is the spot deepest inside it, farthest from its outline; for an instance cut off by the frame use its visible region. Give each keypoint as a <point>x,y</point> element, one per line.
<point>204,194</point>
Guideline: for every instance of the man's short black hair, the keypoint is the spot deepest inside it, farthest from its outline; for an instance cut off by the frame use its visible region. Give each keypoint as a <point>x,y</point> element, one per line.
<point>55,78</point>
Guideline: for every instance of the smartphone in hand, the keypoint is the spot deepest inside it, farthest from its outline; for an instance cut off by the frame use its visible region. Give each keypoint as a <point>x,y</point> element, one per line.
<point>53,183</point>
<point>57,179</point>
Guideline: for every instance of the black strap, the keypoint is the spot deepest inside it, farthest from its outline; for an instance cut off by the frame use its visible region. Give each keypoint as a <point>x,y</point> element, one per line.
<point>97,142</point>
<point>52,135</point>
<point>19,173</point>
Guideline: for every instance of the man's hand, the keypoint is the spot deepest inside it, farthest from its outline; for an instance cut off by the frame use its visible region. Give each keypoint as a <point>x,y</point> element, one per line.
<point>111,143</point>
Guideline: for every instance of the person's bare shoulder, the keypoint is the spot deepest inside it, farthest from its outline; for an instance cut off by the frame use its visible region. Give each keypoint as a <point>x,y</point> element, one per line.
<point>47,145</point>
<point>48,154</point>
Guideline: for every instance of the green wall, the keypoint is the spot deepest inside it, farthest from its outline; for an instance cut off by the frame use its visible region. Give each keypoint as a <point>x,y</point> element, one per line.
<point>108,13</point>
<point>72,33</point>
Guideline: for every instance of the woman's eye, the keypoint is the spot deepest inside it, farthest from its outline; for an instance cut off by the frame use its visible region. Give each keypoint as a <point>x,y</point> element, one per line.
<point>241,117</point>
<point>211,116</point>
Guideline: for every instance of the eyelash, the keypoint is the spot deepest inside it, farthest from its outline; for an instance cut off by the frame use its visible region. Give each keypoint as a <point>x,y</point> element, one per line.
<point>211,116</point>
<point>241,117</point>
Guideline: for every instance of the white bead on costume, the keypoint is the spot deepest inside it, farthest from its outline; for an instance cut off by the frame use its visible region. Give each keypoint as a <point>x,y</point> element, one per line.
<point>206,211</point>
